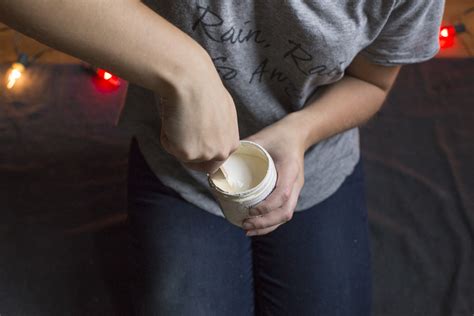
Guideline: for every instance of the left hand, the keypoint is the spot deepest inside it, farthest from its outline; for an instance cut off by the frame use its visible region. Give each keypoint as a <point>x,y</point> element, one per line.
<point>285,143</point>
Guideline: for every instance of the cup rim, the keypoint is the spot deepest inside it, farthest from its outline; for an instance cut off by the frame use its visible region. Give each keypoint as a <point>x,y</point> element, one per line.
<point>255,188</point>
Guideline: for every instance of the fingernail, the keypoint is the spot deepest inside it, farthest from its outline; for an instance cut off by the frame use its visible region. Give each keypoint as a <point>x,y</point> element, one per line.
<point>251,233</point>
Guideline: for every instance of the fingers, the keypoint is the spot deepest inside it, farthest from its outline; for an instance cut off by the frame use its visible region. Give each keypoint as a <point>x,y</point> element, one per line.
<point>204,162</point>
<point>281,194</point>
<point>268,222</point>
<point>209,167</point>
<point>262,231</point>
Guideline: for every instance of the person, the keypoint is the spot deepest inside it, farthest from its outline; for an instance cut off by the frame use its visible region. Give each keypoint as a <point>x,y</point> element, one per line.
<point>298,78</point>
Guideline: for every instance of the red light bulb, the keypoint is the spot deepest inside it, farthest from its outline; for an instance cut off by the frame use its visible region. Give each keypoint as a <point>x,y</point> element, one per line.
<point>446,36</point>
<point>107,76</point>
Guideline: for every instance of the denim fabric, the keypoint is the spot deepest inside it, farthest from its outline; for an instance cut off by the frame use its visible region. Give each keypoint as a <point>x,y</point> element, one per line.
<point>190,262</point>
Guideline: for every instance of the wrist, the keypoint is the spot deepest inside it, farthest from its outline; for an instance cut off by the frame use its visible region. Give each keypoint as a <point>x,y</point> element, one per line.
<point>299,125</point>
<point>180,75</point>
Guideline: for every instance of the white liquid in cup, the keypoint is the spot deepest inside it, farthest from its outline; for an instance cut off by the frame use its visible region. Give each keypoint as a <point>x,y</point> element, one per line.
<point>251,176</point>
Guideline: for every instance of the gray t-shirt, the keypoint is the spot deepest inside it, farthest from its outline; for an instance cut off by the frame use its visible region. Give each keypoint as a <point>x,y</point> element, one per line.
<point>274,57</point>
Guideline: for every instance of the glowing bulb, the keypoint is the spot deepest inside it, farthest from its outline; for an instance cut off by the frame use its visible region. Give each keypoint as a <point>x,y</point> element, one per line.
<point>446,36</point>
<point>444,32</point>
<point>108,77</point>
<point>16,70</point>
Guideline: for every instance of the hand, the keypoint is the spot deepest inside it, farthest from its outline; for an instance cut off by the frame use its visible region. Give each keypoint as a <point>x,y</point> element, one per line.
<point>199,120</point>
<point>285,143</point>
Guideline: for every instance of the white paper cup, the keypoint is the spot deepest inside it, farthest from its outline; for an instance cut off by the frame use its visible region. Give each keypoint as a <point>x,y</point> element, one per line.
<point>236,205</point>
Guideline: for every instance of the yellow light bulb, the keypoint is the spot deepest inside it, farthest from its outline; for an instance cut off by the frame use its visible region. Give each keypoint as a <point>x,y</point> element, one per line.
<point>15,72</point>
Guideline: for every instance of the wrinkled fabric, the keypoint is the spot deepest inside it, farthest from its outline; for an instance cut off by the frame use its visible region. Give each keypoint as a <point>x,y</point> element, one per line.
<point>63,179</point>
<point>275,58</point>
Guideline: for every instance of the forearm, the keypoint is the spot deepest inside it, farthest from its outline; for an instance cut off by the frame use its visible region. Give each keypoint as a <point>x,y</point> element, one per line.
<point>123,36</point>
<point>346,104</point>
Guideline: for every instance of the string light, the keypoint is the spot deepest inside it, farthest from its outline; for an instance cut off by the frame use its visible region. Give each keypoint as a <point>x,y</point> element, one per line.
<point>14,74</point>
<point>447,34</point>
<point>103,80</point>
<point>107,76</point>
<point>16,70</point>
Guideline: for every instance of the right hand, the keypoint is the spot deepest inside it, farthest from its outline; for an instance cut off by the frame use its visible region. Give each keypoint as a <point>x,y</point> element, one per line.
<point>199,120</point>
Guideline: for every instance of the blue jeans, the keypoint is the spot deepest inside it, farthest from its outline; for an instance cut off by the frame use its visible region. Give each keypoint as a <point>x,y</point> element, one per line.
<point>190,262</point>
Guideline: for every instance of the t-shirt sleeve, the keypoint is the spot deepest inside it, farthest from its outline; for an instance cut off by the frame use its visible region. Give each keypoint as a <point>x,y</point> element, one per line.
<point>409,35</point>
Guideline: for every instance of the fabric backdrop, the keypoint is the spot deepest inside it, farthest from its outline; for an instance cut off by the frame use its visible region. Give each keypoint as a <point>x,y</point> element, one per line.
<point>62,194</point>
